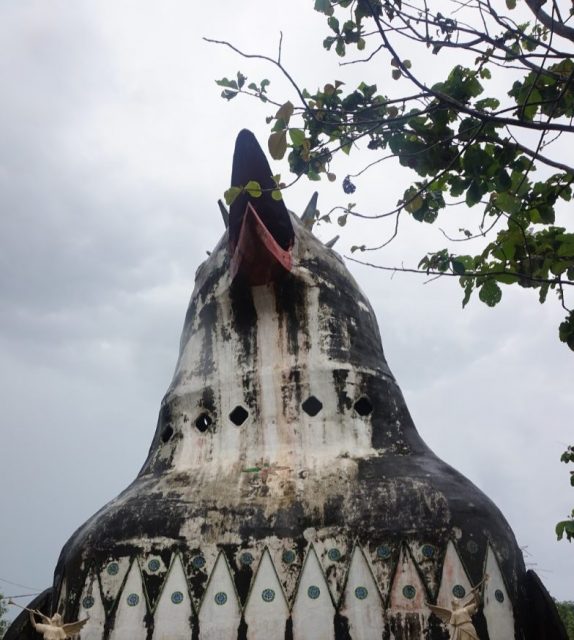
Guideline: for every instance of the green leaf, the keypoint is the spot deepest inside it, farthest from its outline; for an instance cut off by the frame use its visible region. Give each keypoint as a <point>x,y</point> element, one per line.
<point>490,293</point>
<point>324,6</point>
<point>474,193</point>
<point>396,74</point>
<point>277,144</point>
<point>457,266</point>
<point>276,195</point>
<point>231,194</point>
<point>253,188</point>
<point>297,137</point>
<point>285,112</point>
<point>511,4</point>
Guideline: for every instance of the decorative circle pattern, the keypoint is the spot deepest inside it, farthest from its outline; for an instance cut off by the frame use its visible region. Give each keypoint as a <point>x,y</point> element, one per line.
<point>246,558</point>
<point>361,593</point>
<point>458,591</point>
<point>133,599</point>
<point>288,556</point>
<point>198,562</point>
<point>220,598</point>
<point>472,546</point>
<point>88,602</point>
<point>428,551</point>
<point>384,552</point>
<point>113,569</point>
<point>499,595</point>
<point>313,592</point>
<point>153,565</point>
<point>334,554</point>
<point>177,597</point>
<point>409,591</point>
<point>268,595</point>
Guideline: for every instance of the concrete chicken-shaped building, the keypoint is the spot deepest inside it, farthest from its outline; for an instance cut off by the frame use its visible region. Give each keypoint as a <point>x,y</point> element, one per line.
<point>287,493</point>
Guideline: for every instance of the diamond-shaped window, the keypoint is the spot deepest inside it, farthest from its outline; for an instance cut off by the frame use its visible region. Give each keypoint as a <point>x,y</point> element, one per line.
<point>239,415</point>
<point>363,406</point>
<point>312,406</point>
<point>203,422</point>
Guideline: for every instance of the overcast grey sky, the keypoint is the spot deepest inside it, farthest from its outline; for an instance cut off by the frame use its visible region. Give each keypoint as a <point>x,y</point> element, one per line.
<point>114,148</point>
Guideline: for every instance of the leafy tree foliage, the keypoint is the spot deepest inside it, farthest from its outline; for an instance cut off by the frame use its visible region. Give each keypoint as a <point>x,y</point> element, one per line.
<point>566,527</point>
<point>469,143</point>
<point>566,611</point>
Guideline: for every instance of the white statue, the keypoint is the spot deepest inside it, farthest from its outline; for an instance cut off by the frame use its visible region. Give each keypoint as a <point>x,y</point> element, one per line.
<point>459,618</point>
<point>54,628</point>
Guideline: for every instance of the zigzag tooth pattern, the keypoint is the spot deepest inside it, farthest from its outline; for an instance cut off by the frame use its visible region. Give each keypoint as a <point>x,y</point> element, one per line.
<point>497,606</point>
<point>383,589</point>
<point>92,607</point>
<point>454,583</point>
<point>174,610</point>
<point>267,610</point>
<point>362,604</point>
<point>220,612</point>
<point>131,608</point>
<point>313,609</point>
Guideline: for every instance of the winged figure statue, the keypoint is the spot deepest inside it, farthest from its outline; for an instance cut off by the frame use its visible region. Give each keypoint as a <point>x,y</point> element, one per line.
<point>459,618</point>
<point>54,628</point>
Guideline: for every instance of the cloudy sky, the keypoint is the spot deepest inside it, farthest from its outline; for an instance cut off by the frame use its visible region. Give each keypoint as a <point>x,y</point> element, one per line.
<point>114,148</point>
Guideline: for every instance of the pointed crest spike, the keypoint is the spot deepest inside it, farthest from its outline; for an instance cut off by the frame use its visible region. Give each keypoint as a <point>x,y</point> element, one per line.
<point>224,213</point>
<point>332,242</point>
<point>308,217</point>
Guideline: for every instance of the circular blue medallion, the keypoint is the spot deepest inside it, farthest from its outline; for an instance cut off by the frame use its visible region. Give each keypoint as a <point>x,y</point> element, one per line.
<point>334,554</point>
<point>198,562</point>
<point>246,558</point>
<point>88,602</point>
<point>153,565</point>
<point>499,595</point>
<point>409,591</point>
<point>133,599</point>
<point>220,598</point>
<point>288,556</point>
<point>361,593</point>
<point>472,546</point>
<point>383,552</point>
<point>113,568</point>
<point>428,551</point>
<point>268,595</point>
<point>458,591</point>
<point>313,592</point>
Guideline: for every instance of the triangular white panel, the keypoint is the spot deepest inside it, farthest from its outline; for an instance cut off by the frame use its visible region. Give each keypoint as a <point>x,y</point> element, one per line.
<point>172,617</point>
<point>112,576</point>
<point>91,607</point>
<point>362,604</point>
<point>454,583</point>
<point>407,590</point>
<point>497,606</point>
<point>220,614</point>
<point>131,608</point>
<point>266,611</point>
<point>313,610</point>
